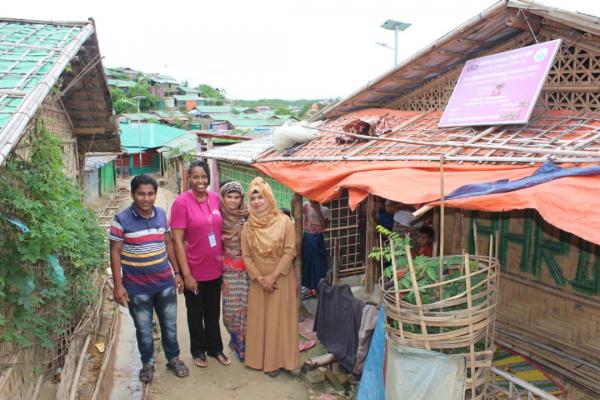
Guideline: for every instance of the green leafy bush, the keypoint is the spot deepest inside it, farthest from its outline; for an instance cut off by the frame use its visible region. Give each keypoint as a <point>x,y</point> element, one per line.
<point>46,273</point>
<point>426,270</point>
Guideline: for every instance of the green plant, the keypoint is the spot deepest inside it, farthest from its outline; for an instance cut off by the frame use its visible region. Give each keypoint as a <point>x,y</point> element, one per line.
<point>427,269</point>
<point>46,272</point>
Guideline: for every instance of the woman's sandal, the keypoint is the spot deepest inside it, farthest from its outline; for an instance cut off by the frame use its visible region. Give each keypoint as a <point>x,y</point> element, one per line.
<point>201,361</point>
<point>273,374</point>
<point>222,358</point>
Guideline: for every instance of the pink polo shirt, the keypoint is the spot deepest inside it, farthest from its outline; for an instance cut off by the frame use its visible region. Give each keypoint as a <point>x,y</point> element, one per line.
<point>199,219</point>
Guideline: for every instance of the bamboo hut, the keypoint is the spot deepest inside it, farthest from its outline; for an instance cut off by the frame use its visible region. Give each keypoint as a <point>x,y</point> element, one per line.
<point>548,235</point>
<point>52,73</point>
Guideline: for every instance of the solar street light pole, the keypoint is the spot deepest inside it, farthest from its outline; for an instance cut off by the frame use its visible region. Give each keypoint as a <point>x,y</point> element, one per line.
<point>138,98</point>
<point>395,26</point>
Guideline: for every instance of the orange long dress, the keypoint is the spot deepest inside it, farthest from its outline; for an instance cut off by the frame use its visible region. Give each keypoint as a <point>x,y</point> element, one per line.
<point>272,328</point>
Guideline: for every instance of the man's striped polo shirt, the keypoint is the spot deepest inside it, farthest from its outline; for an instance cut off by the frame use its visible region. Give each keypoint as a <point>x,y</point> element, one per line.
<point>144,261</point>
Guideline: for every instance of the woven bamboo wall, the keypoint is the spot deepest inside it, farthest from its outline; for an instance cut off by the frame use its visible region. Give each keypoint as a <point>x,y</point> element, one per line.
<point>572,82</point>
<point>549,289</point>
<point>56,120</point>
<point>18,378</point>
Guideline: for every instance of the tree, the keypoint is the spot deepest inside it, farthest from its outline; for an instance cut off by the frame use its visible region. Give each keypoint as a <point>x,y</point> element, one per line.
<point>124,106</point>
<point>304,111</point>
<point>211,93</point>
<point>282,111</point>
<point>121,103</point>
<point>142,89</point>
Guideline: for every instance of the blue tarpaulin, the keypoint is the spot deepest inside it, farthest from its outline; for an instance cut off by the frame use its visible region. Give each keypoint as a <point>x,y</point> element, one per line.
<point>546,172</point>
<point>371,382</point>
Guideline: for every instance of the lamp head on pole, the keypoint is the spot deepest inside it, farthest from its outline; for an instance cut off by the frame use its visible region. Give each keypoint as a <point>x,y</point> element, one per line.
<point>393,25</point>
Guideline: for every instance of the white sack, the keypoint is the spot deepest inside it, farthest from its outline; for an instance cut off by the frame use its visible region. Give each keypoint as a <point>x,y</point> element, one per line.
<point>287,135</point>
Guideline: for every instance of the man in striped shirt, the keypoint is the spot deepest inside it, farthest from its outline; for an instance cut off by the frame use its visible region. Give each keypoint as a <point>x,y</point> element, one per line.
<point>146,274</point>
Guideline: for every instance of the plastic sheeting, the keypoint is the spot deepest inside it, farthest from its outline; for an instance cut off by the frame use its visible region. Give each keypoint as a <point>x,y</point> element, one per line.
<point>546,173</point>
<point>568,203</point>
<point>371,382</point>
<point>419,374</point>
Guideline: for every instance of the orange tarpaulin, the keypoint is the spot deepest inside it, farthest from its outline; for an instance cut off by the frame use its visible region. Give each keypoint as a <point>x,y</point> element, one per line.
<point>571,203</point>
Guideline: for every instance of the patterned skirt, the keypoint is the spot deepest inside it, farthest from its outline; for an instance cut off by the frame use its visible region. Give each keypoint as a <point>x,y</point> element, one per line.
<point>235,303</point>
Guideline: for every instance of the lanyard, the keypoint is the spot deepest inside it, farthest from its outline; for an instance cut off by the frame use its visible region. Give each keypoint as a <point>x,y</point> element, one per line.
<point>210,214</point>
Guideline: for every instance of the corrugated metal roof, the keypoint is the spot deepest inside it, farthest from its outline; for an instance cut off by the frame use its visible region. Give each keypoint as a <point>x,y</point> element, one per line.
<point>120,83</point>
<point>188,143</point>
<point>33,55</point>
<point>134,117</point>
<point>158,78</point>
<point>187,97</point>
<point>245,152</point>
<point>147,136</point>
<point>92,162</point>
<point>254,122</point>
<point>170,114</point>
<point>188,89</point>
<point>214,109</point>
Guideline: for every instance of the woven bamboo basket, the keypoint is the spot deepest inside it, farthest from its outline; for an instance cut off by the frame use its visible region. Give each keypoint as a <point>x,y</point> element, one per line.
<point>457,315</point>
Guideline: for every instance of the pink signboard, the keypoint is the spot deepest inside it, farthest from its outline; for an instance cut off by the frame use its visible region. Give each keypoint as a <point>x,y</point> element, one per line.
<point>500,89</point>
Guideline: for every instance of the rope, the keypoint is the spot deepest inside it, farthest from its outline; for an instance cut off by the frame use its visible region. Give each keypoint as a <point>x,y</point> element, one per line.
<point>527,21</point>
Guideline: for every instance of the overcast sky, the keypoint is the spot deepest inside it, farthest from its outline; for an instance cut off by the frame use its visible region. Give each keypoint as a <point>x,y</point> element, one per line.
<point>264,48</point>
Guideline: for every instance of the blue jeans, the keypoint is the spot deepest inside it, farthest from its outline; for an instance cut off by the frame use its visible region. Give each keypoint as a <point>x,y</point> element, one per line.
<point>141,308</point>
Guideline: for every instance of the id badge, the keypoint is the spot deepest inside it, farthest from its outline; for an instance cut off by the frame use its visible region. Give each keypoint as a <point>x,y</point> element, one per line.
<point>212,240</point>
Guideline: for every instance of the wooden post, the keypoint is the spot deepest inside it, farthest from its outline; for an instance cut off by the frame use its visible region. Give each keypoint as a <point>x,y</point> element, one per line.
<point>371,240</point>
<point>442,233</point>
<point>296,207</point>
<point>212,164</point>
<point>336,261</point>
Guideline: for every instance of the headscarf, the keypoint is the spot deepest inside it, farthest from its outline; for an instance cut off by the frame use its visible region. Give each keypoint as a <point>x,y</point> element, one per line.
<point>233,219</point>
<point>265,228</point>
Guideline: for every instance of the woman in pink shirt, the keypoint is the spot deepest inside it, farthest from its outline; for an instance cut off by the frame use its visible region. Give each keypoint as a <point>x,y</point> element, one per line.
<point>196,225</point>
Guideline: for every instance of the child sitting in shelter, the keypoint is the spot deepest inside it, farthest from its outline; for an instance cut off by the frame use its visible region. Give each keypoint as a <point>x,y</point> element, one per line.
<point>424,241</point>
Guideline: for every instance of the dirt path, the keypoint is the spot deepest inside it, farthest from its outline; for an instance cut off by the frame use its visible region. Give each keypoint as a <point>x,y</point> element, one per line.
<point>214,382</point>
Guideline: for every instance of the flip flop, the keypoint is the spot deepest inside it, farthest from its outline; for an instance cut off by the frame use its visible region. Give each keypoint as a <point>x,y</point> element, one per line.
<point>306,345</point>
<point>200,361</point>
<point>222,358</point>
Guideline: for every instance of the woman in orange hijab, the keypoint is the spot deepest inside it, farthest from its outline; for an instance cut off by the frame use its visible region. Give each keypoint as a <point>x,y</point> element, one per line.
<point>268,249</point>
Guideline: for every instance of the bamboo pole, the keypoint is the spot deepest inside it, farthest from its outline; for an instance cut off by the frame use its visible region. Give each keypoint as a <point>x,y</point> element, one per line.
<point>395,280</point>
<point>75,383</point>
<point>371,233</point>
<point>489,291</point>
<point>381,263</point>
<point>524,384</point>
<point>457,158</point>
<point>582,153</point>
<point>469,310</point>
<point>38,386</point>
<point>475,239</point>
<point>296,206</point>
<point>336,261</point>
<point>442,233</point>
<point>415,287</point>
